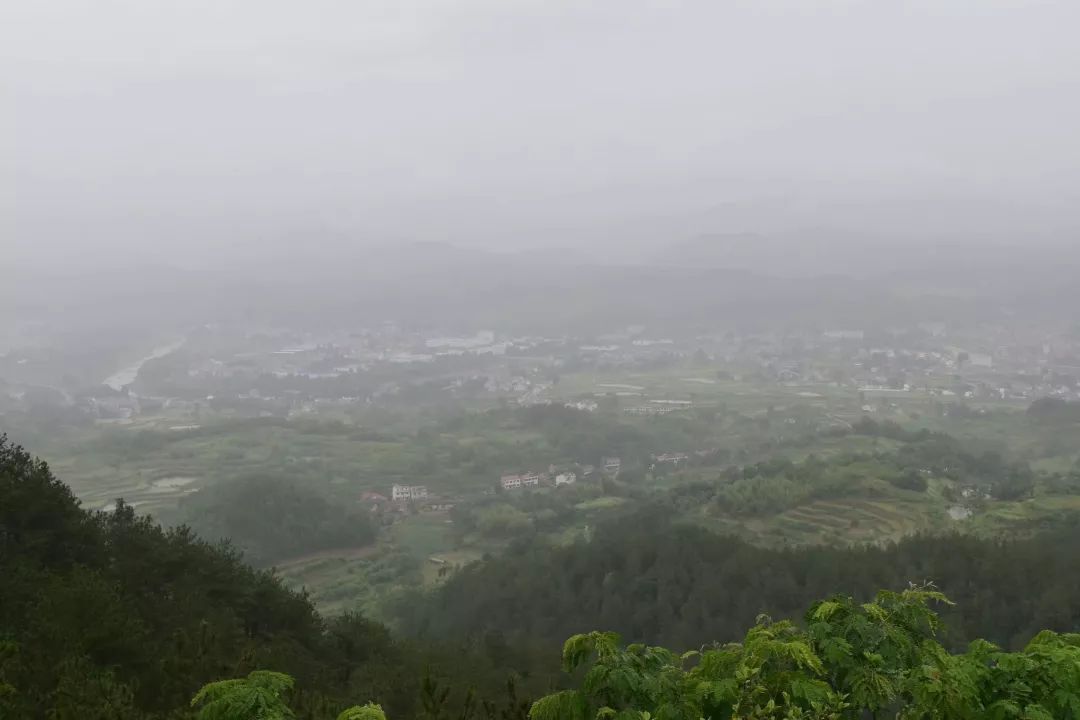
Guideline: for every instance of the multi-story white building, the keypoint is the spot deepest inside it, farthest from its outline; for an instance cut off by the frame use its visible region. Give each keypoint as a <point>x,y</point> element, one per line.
<point>402,493</point>
<point>672,458</point>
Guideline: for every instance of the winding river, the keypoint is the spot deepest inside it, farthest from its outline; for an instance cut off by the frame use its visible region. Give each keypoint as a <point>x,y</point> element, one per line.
<point>122,378</point>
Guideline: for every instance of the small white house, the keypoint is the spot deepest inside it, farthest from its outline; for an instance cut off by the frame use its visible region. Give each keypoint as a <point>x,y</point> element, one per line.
<point>567,478</point>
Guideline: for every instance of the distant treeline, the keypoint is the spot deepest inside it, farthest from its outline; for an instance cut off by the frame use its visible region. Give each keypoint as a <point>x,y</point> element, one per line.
<point>1050,409</point>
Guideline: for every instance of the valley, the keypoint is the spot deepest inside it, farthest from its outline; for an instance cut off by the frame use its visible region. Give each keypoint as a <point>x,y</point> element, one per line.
<point>803,449</point>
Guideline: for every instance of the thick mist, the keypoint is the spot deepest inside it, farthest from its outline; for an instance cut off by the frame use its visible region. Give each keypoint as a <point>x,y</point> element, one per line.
<point>414,359</point>
<point>199,133</point>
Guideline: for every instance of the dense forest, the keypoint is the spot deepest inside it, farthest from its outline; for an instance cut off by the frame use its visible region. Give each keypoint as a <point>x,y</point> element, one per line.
<point>652,579</point>
<point>844,661</point>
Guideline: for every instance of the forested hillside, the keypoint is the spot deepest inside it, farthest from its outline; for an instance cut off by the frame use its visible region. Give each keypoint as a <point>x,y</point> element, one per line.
<point>657,581</point>
<point>273,517</point>
<point>105,616</point>
<point>845,661</point>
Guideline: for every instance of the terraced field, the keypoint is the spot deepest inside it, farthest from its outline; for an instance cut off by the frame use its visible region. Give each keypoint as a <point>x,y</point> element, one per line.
<point>337,581</point>
<point>417,551</point>
<point>845,521</point>
<point>148,491</point>
<point>1027,516</point>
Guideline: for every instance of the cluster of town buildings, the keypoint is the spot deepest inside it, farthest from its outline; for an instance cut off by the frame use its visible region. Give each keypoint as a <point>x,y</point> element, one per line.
<point>556,477</point>
<point>405,497</point>
<point>223,370</point>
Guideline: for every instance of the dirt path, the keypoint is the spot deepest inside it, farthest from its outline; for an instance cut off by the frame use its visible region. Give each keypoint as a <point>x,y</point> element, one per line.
<point>332,554</point>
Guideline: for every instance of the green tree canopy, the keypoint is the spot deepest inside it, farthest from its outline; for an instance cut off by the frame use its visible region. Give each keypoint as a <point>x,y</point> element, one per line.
<point>259,696</point>
<point>846,661</point>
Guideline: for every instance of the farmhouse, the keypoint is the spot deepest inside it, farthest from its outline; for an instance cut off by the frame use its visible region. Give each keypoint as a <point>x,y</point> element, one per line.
<point>374,502</point>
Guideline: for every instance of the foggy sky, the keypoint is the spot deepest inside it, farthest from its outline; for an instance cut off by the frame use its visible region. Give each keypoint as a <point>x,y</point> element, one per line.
<point>198,129</point>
